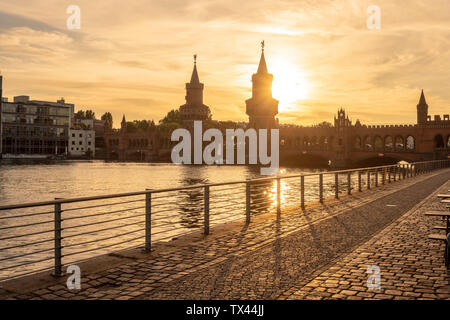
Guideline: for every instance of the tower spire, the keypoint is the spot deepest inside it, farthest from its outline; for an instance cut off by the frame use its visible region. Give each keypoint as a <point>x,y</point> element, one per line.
<point>422,100</point>
<point>194,77</point>
<point>262,68</point>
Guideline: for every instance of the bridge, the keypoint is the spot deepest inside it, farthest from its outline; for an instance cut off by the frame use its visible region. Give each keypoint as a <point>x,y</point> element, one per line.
<point>348,145</point>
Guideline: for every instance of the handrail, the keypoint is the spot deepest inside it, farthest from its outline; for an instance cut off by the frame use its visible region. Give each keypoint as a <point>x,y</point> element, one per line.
<point>197,186</point>
<point>203,207</point>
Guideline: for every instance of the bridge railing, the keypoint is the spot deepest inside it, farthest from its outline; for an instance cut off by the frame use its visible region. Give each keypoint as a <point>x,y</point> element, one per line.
<point>49,235</point>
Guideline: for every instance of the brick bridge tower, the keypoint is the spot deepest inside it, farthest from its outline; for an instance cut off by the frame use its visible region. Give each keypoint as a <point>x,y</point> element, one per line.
<point>194,109</point>
<point>262,107</point>
<point>422,110</point>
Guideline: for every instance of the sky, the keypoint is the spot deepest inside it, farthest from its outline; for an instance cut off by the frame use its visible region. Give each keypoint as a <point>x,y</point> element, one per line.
<point>134,57</point>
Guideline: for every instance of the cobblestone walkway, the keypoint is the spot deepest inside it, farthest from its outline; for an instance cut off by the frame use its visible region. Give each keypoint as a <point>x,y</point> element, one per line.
<point>411,266</point>
<point>290,256</point>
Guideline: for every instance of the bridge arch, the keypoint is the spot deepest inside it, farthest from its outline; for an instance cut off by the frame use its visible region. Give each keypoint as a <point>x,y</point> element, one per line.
<point>322,142</point>
<point>399,143</point>
<point>438,141</point>
<point>314,142</point>
<point>368,143</point>
<point>388,143</point>
<point>357,145</point>
<point>410,143</point>
<point>306,142</point>
<point>378,143</point>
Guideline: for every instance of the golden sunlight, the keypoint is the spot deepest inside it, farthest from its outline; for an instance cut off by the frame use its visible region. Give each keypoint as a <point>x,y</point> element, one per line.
<point>289,83</point>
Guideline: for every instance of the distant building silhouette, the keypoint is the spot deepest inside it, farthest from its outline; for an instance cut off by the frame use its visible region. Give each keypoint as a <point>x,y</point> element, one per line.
<point>262,108</point>
<point>194,109</point>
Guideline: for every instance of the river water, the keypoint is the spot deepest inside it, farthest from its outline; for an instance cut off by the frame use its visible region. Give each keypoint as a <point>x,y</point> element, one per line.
<point>104,226</point>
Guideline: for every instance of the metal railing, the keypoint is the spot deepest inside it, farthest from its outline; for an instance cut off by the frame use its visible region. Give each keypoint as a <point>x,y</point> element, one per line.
<point>52,234</point>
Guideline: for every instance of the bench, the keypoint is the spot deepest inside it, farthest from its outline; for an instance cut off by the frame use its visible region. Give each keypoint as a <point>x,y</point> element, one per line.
<point>437,236</point>
<point>435,213</point>
<point>443,195</point>
<point>445,239</point>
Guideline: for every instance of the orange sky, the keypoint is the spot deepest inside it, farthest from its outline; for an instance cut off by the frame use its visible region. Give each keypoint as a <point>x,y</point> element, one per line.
<point>135,56</point>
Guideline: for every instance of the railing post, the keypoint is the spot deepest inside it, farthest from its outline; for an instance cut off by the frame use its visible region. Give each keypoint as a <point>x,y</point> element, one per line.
<point>336,185</point>
<point>247,201</point>
<point>148,221</point>
<point>302,196</point>
<point>368,179</point>
<point>395,173</point>
<point>57,226</point>
<point>376,177</point>
<point>278,196</point>
<point>404,171</point>
<point>206,212</point>
<point>359,181</point>
<point>321,188</point>
<point>389,174</point>
<point>383,179</point>
<point>349,183</point>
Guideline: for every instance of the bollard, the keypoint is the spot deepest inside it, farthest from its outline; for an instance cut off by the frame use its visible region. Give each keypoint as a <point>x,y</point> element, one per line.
<point>383,180</point>
<point>321,188</point>
<point>206,213</point>
<point>395,173</point>
<point>148,222</point>
<point>278,196</point>
<point>389,174</point>
<point>368,179</point>
<point>336,185</point>
<point>247,202</point>
<point>57,223</point>
<point>302,196</point>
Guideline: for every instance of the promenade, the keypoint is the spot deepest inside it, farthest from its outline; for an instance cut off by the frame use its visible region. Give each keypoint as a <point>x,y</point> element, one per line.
<point>321,252</point>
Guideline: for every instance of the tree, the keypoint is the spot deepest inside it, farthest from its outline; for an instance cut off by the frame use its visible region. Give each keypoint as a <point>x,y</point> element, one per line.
<point>173,116</point>
<point>107,116</point>
<point>80,114</point>
<point>325,124</point>
<point>90,114</point>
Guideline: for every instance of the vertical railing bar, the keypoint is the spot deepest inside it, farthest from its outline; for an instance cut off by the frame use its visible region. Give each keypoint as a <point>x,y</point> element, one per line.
<point>302,187</point>
<point>278,196</point>
<point>359,181</point>
<point>321,188</point>
<point>247,201</point>
<point>336,185</point>
<point>206,211</point>
<point>349,183</point>
<point>57,250</point>
<point>148,221</point>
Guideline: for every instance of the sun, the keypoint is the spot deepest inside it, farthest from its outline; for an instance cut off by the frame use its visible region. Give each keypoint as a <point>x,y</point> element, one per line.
<point>290,84</point>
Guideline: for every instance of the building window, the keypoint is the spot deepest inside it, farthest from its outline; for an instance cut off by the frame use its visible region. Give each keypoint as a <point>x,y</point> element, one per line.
<point>73,142</point>
<point>73,135</point>
<point>81,135</point>
<point>80,143</point>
